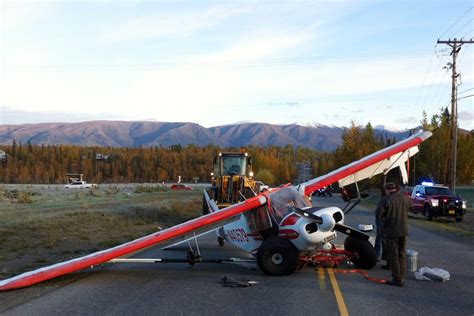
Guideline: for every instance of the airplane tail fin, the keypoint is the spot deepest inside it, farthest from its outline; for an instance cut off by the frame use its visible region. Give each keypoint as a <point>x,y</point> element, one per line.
<point>210,203</point>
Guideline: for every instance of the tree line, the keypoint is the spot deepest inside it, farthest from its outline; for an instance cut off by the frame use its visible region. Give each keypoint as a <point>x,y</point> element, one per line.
<point>51,163</point>
<point>27,163</point>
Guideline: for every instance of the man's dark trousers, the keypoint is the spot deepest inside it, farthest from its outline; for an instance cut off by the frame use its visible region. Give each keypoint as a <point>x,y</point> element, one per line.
<point>395,253</point>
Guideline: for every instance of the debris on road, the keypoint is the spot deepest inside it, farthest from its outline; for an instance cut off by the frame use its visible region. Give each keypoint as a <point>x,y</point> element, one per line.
<point>432,274</point>
<point>231,282</point>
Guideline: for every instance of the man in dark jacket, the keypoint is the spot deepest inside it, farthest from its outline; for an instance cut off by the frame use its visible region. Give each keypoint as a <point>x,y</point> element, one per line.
<point>393,213</point>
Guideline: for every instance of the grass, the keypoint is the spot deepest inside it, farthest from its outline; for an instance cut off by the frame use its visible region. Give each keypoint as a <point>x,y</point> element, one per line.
<point>42,225</point>
<point>150,188</point>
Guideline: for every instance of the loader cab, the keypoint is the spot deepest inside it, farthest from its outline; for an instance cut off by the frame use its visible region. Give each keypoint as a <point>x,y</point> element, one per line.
<point>233,164</point>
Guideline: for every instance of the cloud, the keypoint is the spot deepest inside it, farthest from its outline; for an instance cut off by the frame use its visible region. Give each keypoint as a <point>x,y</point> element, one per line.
<point>287,104</point>
<point>12,116</point>
<point>169,24</point>
<point>466,117</point>
<point>15,14</point>
<point>256,46</point>
<point>406,119</point>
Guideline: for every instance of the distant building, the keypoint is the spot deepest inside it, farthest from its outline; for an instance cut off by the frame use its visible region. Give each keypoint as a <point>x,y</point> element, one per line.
<point>101,157</point>
<point>305,172</point>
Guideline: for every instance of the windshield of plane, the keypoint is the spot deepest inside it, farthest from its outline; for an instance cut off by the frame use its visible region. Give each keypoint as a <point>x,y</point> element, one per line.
<point>283,201</point>
<point>437,191</point>
<point>234,165</point>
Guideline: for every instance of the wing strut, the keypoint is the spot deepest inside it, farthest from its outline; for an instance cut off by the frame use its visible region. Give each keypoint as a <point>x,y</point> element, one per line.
<point>353,202</point>
<point>192,257</point>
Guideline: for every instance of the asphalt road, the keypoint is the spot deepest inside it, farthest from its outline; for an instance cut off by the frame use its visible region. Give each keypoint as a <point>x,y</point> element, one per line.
<point>175,288</point>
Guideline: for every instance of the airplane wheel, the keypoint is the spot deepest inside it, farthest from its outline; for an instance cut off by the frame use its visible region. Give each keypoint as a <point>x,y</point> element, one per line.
<point>364,256</point>
<point>277,256</point>
<point>220,240</point>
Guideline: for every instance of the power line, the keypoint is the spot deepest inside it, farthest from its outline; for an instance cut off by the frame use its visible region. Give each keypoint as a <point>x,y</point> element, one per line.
<point>442,99</point>
<point>465,34</point>
<point>459,19</point>
<point>424,80</point>
<point>310,60</point>
<point>459,30</point>
<point>435,76</point>
<point>467,96</point>
<point>465,91</point>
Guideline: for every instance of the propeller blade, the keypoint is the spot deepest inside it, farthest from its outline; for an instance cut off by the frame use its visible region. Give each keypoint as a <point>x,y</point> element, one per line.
<point>351,231</point>
<point>307,213</point>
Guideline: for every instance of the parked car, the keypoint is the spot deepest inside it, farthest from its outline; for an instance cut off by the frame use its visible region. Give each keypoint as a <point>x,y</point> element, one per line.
<point>180,186</point>
<point>437,200</point>
<point>80,185</point>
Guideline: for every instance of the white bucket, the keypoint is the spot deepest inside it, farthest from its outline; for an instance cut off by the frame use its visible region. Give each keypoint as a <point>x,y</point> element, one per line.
<point>412,260</point>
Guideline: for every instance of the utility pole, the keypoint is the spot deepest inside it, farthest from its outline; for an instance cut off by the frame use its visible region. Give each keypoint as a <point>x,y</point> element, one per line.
<point>455,44</point>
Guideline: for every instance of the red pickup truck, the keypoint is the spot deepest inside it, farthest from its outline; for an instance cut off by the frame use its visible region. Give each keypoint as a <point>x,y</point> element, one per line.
<point>436,200</point>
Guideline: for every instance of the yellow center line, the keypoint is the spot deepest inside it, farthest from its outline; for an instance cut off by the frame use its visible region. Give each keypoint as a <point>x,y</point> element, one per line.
<point>337,292</point>
<point>321,278</point>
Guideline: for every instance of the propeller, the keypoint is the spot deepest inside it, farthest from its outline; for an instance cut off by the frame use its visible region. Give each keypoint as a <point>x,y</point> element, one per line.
<point>308,213</point>
<point>350,231</point>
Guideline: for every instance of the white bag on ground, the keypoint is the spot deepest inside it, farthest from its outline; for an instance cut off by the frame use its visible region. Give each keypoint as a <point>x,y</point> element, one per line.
<point>432,274</point>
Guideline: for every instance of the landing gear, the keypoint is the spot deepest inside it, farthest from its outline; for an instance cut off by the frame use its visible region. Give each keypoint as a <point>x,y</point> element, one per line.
<point>363,253</point>
<point>277,256</point>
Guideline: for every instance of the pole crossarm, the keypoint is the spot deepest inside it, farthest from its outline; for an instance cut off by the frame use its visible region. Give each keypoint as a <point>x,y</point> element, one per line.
<point>456,41</point>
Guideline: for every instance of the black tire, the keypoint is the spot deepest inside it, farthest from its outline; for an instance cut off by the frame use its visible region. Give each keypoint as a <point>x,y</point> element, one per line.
<point>428,213</point>
<point>277,256</point>
<point>363,253</point>
<point>458,219</point>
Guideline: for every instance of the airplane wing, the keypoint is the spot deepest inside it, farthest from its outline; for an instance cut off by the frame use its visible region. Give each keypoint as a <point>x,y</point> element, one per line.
<point>180,232</point>
<point>379,162</point>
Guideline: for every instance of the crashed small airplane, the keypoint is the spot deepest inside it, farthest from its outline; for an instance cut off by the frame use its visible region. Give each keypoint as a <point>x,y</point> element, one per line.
<point>278,227</point>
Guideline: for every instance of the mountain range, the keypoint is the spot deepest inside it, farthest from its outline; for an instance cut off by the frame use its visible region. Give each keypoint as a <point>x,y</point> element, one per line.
<point>150,133</point>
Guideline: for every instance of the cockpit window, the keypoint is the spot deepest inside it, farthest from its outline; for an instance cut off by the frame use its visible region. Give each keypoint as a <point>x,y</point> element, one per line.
<point>283,201</point>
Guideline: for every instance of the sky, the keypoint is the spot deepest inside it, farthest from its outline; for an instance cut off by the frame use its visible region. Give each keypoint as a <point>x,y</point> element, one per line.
<point>222,62</point>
